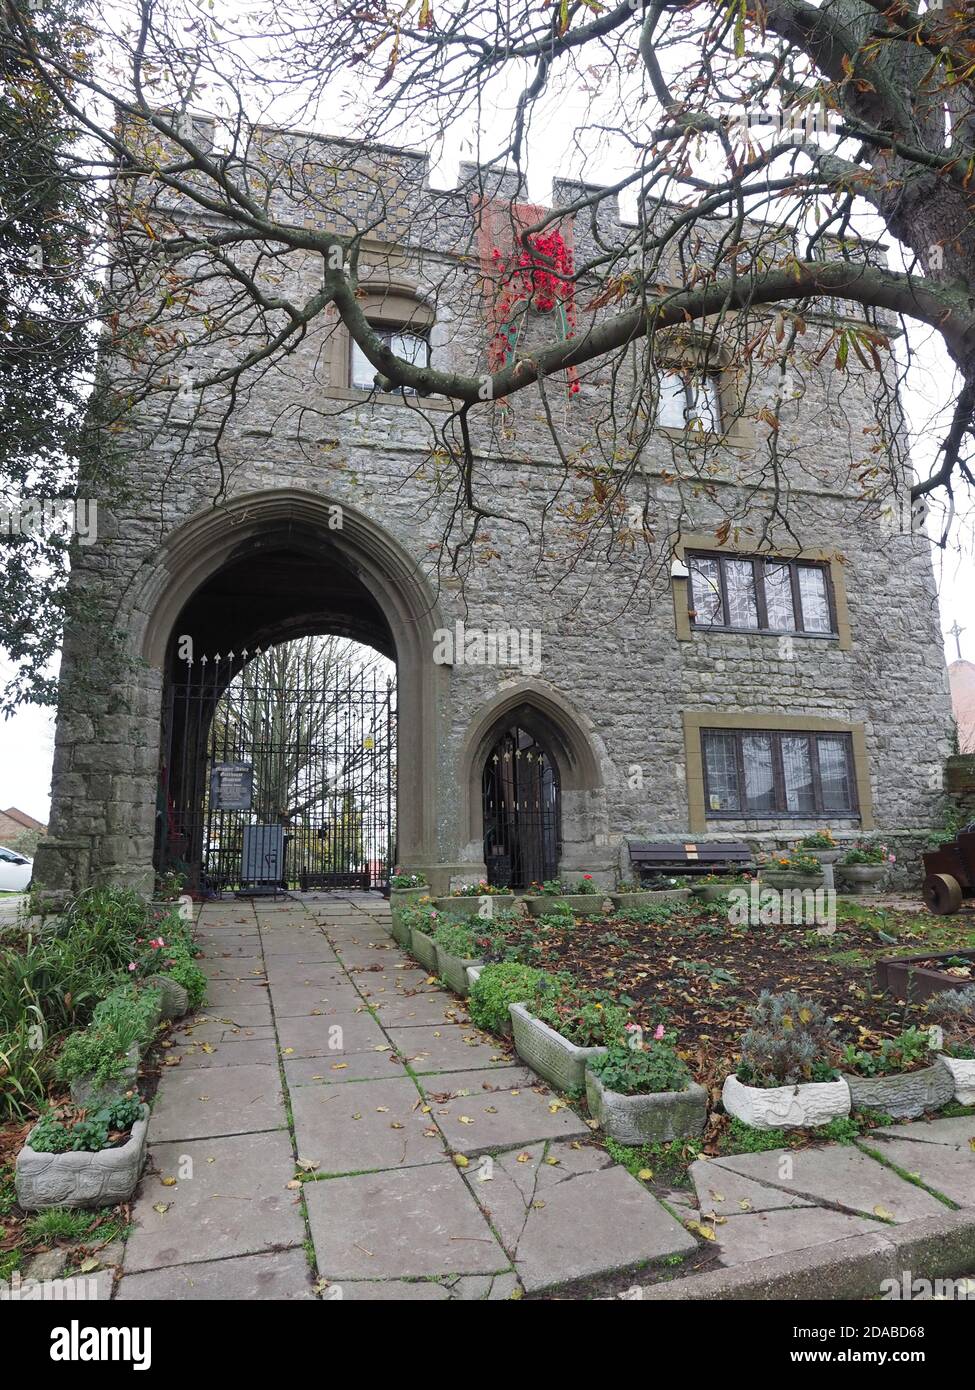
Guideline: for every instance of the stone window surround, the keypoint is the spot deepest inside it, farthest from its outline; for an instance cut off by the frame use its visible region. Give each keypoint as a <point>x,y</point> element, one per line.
<point>394,304</point>
<point>686,632</point>
<point>695,721</point>
<point>761,599</point>
<point>690,349</point>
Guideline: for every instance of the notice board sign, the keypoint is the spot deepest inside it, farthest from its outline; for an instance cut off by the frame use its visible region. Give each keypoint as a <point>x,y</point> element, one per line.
<point>232,786</point>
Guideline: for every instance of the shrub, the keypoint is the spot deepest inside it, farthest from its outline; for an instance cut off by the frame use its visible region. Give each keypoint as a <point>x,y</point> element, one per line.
<point>644,1069</point>
<point>421,916</point>
<point>98,1053</point>
<point>131,1013</point>
<point>907,1051</point>
<point>819,839</point>
<point>188,974</point>
<point>586,1018</point>
<point>508,982</point>
<point>457,937</point>
<point>791,1040</point>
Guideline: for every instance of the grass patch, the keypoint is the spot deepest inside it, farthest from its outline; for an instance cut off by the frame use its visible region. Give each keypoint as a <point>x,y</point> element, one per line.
<point>667,1162</point>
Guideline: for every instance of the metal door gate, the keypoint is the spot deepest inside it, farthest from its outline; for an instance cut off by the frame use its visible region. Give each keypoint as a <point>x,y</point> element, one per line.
<point>522,814</point>
<point>268,785</point>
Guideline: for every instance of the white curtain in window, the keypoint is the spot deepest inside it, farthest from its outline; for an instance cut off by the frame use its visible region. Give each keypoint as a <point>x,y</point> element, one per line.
<point>799,795</point>
<point>722,772</point>
<point>673,401</point>
<point>756,752</point>
<point>834,774</point>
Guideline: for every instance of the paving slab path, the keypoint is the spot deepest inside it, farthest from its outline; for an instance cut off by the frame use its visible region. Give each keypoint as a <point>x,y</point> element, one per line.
<point>325,1051</point>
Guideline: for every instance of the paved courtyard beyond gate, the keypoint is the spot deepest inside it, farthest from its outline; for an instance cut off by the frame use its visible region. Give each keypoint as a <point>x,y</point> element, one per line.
<point>333,1127</point>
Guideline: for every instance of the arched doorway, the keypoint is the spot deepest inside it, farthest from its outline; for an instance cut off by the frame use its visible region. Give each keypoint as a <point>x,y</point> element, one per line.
<point>521,805</point>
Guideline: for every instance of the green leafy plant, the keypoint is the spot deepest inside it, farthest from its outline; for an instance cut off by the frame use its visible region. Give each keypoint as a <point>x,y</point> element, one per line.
<point>72,1130</point>
<point>408,881</point>
<point>169,886</point>
<point>480,889</point>
<point>868,852</point>
<point>26,1066</point>
<point>457,937</point>
<point>585,1017</point>
<point>642,1068</point>
<point>819,839</point>
<point>908,1051</point>
<point>795,862</point>
<point>791,1040</point>
<point>131,1013</point>
<point>98,1054</point>
<point>650,914</point>
<point>585,885</point>
<point>188,974</point>
<point>498,986</point>
<point>550,888</point>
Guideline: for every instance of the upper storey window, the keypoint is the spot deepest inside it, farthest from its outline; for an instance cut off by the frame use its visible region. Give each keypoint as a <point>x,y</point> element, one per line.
<point>407,343</point>
<point>737,593</point>
<point>690,400</point>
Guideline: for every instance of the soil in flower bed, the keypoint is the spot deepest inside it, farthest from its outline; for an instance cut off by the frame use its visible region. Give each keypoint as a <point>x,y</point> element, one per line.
<point>704,975</point>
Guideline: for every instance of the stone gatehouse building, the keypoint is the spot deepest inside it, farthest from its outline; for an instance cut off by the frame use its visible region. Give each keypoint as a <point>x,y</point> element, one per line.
<point>722,677</point>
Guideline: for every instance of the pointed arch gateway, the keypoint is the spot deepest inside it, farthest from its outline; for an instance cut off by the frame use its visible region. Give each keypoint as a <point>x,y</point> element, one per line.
<point>262,570</point>
<point>533,773</point>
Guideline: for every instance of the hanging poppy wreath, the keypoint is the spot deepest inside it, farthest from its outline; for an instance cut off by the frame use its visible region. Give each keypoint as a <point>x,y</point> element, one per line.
<point>538,277</point>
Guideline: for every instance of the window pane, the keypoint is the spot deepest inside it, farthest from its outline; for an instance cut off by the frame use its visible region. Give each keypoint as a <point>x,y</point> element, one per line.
<point>778,598</point>
<point>362,371</point>
<point>814,598</point>
<point>834,773</point>
<point>759,781</point>
<point>704,410</point>
<point>742,608</point>
<point>673,400</point>
<point>799,794</point>
<point>411,347</point>
<point>706,592</point>
<point>722,772</point>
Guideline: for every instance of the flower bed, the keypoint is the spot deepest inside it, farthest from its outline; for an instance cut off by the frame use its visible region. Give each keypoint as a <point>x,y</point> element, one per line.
<point>902,1078</point>
<point>641,1092</point>
<point>547,1052</point>
<point>639,897</point>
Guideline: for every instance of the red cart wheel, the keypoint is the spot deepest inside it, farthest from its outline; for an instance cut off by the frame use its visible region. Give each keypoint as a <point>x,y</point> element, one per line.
<point>942,893</point>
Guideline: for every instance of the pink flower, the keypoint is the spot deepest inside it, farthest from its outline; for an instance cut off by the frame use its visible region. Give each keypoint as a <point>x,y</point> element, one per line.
<point>632,1028</point>
<point>658,1032</point>
<point>892,858</point>
<point>132,965</point>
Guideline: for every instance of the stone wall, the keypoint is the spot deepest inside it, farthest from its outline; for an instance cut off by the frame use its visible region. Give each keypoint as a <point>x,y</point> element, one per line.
<point>613,664</point>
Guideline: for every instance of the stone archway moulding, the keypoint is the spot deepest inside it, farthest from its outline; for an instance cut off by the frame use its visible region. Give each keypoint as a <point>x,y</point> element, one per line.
<point>584,767</point>
<point>199,547</point>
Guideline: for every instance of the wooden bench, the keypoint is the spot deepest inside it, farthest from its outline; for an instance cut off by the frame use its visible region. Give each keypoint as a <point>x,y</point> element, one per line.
<point>689,858</point>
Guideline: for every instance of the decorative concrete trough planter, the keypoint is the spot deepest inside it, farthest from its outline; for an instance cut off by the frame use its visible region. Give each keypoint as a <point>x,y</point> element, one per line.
<point>399,929</point>
<point>906,1094</point>
<point>656,1117</point>
<point>642,899</point>
<point>174,1001</point>
<point>581,903</point>
<point>453,969</point>
<point>708,892</point>
<point>786,1107</point>
<point>84,1092</point>
<point>400,897</point>
<point>963,1073</point>
<point>425,949</point>
<point>902,977</point>
<point>82,1179</point>
<point>547,1052</point>
<point>859,878</point>
<point>471,907</point>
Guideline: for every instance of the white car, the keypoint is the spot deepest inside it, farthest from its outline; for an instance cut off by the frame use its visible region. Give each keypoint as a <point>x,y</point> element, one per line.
<point>16,870</point>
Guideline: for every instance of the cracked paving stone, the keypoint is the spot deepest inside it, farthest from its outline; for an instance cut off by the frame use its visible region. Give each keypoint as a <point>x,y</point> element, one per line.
<point>579,1217</point>
<point>448,1047</point>
<point>506,1107</point>
<point>373,1124</point>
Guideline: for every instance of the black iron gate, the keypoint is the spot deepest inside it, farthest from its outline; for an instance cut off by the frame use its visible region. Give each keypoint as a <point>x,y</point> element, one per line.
<point>522,820</point>
<point>269,785</point>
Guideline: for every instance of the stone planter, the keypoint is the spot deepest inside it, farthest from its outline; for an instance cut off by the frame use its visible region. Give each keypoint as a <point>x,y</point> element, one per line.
<point>860,878</point>
<point>425,949</point>
<point>584,904</point>
<point>453,970</point>
<point>785,878</point>
<point>399,930</point>
<point>398,897</point>
<point>906,1094</point>
<point>905,978</point>
<point>963,1073</point>
<point>471,907</point>
<point>84,1092</point>
<point>173,998</point>
<point>647,1119</point>
<point>547,1052</point>
<point>709,892</point>
<point>82,1179</point>
<point>641,899</point>
<point>786,1107</point>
